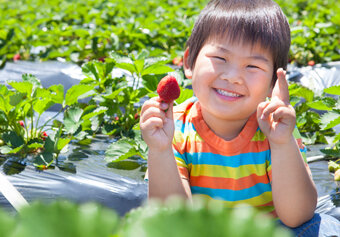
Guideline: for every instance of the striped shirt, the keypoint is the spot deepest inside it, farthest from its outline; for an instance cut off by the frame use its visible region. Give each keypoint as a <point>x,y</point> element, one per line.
<point>234,172</point>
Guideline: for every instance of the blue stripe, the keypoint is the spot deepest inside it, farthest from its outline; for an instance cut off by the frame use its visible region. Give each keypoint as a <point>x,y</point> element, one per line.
<point>184,127</point>
<point>233,195</point>
<point>252,158</point>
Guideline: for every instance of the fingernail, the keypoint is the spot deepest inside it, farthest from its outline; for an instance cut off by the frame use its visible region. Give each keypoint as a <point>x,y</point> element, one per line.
<point>164,105</point>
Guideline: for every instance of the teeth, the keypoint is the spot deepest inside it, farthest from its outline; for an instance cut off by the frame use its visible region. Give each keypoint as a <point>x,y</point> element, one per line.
<point>226,93</point>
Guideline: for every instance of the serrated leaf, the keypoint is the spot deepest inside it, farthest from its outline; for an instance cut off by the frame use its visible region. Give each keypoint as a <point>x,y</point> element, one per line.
<point>72,119</point>
<point>41,105</point>
<point>333,90</point>
<point>120,150</point>
<point>127,66</point>
<point>157,69</point>
<point>76,91</point>
<point>320,105</point>
<point>97,111</point>
<point>330,119</point>
<point>22,87</point>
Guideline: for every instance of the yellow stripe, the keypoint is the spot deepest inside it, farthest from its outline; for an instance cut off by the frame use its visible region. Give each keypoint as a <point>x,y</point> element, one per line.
<point>228,172</point>
<point>255,201</point>
<point>259,136</point>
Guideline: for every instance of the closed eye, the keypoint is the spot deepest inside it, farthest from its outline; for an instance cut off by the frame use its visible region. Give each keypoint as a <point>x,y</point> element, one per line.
<point>220,58</point>
<point>253,66</point>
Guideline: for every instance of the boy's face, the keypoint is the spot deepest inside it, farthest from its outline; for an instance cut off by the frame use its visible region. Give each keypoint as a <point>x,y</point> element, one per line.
<point>231,79</point>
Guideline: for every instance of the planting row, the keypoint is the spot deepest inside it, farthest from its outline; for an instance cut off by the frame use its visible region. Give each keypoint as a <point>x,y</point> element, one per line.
<point>80,31</point>
<point>104,103</point>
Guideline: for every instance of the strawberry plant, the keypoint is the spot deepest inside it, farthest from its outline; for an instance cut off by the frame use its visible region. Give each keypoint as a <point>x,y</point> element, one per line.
<point>21,108</point>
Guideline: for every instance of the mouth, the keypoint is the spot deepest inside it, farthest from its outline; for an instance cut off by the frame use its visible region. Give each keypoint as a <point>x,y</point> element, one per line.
<point>228,93</point>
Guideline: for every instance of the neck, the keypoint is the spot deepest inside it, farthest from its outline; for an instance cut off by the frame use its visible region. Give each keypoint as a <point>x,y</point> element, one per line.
<point>226,129</point>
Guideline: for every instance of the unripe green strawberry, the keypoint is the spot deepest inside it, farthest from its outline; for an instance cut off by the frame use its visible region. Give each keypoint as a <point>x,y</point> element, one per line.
<point>337,175</point>
<point>168,89</point>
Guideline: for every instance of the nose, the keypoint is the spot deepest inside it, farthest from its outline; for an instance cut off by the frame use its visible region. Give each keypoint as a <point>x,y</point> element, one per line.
<point>232,74</point>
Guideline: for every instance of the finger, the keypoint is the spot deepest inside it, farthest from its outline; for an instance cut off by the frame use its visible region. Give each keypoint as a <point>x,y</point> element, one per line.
<point>271,107</point>
<point>152,123</point>
<point>261,107</point>
<point>152,112</point>
<point>153,102</point>
<point>280,89</point>
<point>283,113</point>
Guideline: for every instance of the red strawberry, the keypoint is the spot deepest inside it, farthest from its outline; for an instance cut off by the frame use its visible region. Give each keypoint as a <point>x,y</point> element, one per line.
<point>22,123</point>
<point>311,63</point>
<point>178,61</point>
<point>16,57</point>
<point>168,89</point>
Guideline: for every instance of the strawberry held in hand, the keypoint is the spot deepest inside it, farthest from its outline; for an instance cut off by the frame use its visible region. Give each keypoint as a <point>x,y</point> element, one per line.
<point>168,89</point>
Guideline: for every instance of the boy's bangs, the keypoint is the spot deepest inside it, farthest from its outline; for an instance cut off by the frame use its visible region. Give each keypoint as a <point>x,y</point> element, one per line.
<point>243,28</point>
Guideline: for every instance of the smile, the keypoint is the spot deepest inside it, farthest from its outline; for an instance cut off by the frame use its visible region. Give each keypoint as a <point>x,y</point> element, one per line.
<point>226,93</point>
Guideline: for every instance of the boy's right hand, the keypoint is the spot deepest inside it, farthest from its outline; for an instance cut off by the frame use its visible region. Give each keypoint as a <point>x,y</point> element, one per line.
<point>156,124</point>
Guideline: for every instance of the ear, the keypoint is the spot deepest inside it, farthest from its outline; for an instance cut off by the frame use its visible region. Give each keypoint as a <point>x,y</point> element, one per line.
<point>187,69</point>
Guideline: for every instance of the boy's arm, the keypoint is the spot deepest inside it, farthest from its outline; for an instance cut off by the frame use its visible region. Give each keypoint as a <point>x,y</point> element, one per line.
<point>293,190</point>
<point>164,177</point>
<point>157,128</point>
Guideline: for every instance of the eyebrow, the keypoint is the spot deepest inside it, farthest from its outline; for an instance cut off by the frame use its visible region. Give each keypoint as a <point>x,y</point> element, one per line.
<point>256,56</point>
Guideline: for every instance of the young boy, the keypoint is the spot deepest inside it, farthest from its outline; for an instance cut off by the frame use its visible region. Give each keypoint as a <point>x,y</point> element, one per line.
<point>229,143</point>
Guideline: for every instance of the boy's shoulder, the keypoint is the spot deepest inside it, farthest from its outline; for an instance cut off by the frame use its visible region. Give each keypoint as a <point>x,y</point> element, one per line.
<point>183,109</point>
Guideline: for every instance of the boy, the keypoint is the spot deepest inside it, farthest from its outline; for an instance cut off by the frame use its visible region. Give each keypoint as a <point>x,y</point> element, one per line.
<point>229,143</point>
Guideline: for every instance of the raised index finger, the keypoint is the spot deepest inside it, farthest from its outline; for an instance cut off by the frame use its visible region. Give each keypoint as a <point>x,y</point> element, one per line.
<point>280,89</point>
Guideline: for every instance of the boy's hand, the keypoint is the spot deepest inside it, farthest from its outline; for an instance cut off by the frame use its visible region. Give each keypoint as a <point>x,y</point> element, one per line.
<point>276,117</point>
<point>156,123</point>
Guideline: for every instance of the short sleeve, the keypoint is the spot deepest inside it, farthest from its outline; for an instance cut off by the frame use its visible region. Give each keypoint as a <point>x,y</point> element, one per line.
<point>180,156</point>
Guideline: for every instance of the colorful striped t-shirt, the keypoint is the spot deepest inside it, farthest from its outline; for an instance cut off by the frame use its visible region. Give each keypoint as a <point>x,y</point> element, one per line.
<point>234,172</point>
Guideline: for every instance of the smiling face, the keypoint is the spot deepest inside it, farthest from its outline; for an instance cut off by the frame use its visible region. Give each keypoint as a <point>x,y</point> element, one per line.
<point>230,79</point>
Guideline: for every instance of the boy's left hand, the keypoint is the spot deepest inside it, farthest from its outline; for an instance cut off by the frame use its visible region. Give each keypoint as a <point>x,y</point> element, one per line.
<point>276,117</point>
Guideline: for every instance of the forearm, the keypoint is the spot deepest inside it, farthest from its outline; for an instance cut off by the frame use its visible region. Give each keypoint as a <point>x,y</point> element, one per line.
<point>164,177</point>
<point>294,192</point>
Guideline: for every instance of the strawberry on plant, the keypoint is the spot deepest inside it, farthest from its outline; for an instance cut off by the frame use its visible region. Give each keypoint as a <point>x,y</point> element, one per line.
<point>311,63</point>
<point>178,61</point>
<point>16,57</point>
<point>22,124</point>
<point>168,89</point>
<point>44,135</point>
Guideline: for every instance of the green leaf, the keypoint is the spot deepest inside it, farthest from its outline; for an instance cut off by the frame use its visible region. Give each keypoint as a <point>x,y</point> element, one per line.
<point>127,66</point>
<point>22,87</point>
<point>297,90</point>
<point>62,142</point>
<point>97,111</point>
<point>41,105</point>
<point>330,119</point>
<point>120,150</point>
<point>185,94</point>
<point>324,104</point>
<point>157,69</point>
<point>76,91</point>
<point>72,119</point>
<point>333,90</point>
<point>13,139</point>
<point>124,165</point>
<point>17,98</point>
<point>35,145</point>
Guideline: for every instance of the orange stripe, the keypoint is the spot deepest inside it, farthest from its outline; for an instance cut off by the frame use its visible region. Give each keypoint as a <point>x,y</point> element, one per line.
<point>228,183</point>
<point>202,146</point>
<point>183,172</point>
